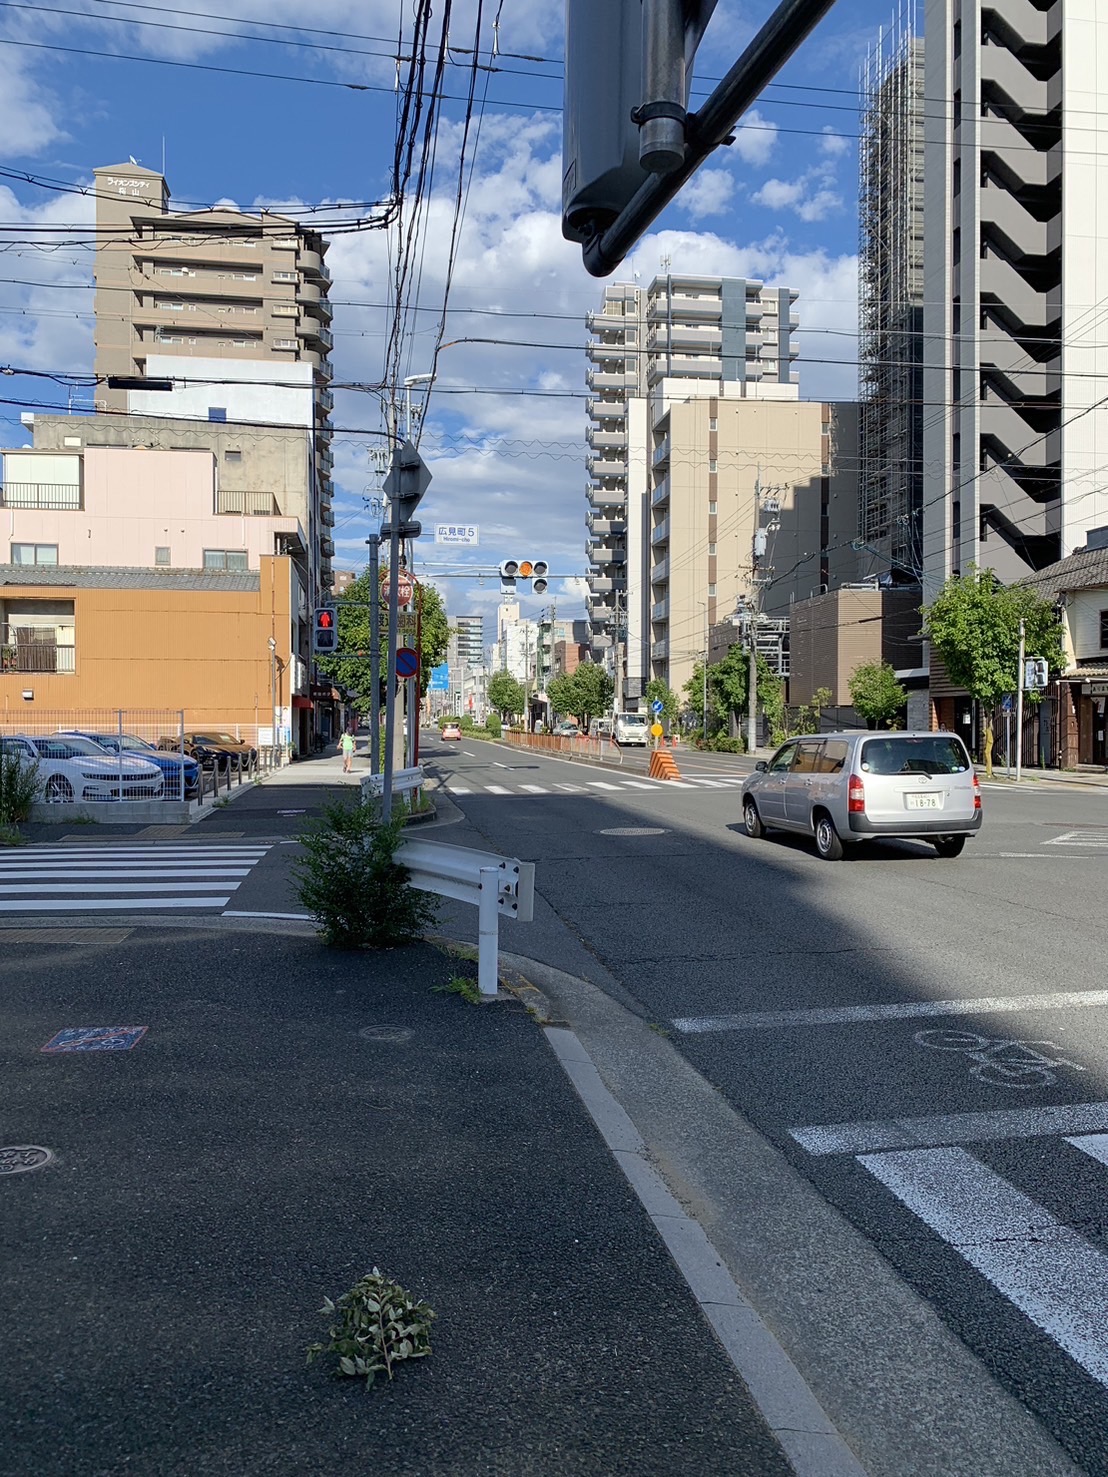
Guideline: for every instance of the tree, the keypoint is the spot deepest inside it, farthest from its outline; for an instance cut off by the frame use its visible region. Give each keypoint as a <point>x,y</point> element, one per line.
<point>974,625</point>
<point>657,691</point>
<point>876,694</point>
<point>506,695</point>
<point>586,693</point>
<point>350,666</point>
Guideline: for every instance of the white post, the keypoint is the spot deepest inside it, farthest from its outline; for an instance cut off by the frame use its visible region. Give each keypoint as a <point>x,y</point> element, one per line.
<point>488,943</point>
<point>1019,710</point>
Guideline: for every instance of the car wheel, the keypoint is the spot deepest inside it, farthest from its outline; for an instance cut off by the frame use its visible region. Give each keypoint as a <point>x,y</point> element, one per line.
<point>828,842</point>
<point>58,790</point>
<point>950,846</point>
<point>753,821</point>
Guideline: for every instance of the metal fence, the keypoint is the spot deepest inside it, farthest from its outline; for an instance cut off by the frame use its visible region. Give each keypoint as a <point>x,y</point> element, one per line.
<point>141,754</point>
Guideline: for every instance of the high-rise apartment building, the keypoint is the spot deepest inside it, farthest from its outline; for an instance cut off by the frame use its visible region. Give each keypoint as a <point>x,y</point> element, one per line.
<point>684,335</point>
<point>235,303</point>
<point>890,298</point>
<point>1015,431</point>
<point>467,642</point>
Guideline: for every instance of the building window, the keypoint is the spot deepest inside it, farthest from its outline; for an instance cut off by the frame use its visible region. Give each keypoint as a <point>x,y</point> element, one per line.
<point>225,559</point>
<point>232,456</point>
<point>217,412</point>
<point>713,465</point>
<point>711,592</point>
<point>713,424</point>
<point>712,508</point>
<point>1104,630</point>
<point>34,553</point>
<point>161,554</point>
<point>711,549</point>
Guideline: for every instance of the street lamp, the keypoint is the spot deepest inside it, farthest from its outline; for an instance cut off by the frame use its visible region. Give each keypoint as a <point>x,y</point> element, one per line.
<point>704,673</point>
<point>412,379</point>
<point>272,644</point>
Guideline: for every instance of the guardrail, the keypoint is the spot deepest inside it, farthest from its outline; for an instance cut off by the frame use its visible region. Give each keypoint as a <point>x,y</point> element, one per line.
<point>404,781</point>
<point>494,884</point>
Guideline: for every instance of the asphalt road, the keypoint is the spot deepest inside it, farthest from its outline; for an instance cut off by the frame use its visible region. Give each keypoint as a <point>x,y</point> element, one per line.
<point>925,1040</point>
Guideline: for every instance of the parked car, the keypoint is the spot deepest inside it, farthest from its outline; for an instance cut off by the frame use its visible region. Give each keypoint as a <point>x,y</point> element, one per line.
<point>172,766</point>
<point>567,730</point>
<point>600,728</point>
<point>843,788</point>
<point>76,769</point>
<point>211,748</point>
<point>452,730</point>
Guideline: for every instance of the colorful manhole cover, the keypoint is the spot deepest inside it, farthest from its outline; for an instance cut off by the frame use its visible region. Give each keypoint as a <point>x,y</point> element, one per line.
<point>633,831</point>
<point>21,1158</point>
<point>392,1034</point>
<point>96,1038</point>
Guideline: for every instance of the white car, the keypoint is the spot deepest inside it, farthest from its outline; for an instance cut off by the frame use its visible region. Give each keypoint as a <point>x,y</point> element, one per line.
<point>76,769</point>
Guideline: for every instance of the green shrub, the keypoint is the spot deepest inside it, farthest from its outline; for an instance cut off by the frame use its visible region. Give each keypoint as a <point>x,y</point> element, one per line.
<point>20,787</point>
<point>492,725</point>
<point>378,1324</point>
<point>466,722</point>
<point>724,745</point>
<point>350,882</point>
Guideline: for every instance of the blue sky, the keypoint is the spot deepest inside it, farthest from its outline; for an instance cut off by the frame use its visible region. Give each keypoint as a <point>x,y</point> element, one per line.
<point>504,428</point>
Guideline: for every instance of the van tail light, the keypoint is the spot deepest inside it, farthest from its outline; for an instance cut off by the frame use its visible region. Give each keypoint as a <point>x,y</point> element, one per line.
<point>856,795</point>
<point>976,793</point>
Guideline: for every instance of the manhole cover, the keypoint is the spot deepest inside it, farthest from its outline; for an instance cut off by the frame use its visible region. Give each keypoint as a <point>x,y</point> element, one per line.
<point>394,1034</point>
<point>19,1158</point>
<point>633,831</point>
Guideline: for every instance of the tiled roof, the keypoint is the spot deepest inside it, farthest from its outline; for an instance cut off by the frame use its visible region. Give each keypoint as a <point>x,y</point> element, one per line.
<point>93,577</point>
<point>1081,571</point>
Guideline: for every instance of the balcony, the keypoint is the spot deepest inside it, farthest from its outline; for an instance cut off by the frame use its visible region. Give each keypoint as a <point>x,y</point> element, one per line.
<point>686,366</point>
<point>38,656</point>
<point>604,466</point>
<point>326,548</point>
<point>327,515</point>
<point>600,526</point>
<point>324,371</point>
<point>311,328</point>
<point>250,504</point>
<point>607,379</point>
<point>605,585</point>
<point>677,336</point>
<point>660,495</point>
<point>659,651</point>
<point>602,554</point>
<point>659,613</point>
<point>606,440</point>
<point>602,353</point>
<point>659,534</point>
<point>605,497</point>
<point>45,497</point>
<point>661,454</point>
<point>324,401</point>
<point>659,575</point>
<point>608,410</point>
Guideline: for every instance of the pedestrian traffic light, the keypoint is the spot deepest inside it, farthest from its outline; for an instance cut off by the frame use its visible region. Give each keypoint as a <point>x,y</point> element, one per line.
<point>1036,673</point>
<point>407,481</point>
<point>326,634</point>
<point>533,570</point>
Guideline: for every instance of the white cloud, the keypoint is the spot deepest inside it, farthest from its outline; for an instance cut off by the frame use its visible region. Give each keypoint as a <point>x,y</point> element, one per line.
<point>811,195</point>
<point>755,138</point>
<point>778,194</point>
<point>27,123</point>
<point>709,192</point>
<point>833,143</point>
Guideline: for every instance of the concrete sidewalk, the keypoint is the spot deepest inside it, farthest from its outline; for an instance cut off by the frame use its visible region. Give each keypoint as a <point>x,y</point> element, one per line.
<point>293,1117</point>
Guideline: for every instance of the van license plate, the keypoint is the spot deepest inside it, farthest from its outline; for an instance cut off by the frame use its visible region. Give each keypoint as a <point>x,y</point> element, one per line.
<point>929,800</point>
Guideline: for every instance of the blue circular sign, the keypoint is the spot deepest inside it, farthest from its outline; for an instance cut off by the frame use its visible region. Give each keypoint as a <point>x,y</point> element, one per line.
<point>407,662</point>
<point>657,705</point>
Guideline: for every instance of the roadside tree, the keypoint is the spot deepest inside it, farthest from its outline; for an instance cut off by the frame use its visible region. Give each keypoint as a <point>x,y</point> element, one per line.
<point>506,695</point>
<point>974,625</point>
<point>585,694</point>
<point>658,691</point>
<point>875,693</point>
<point>350,666</point>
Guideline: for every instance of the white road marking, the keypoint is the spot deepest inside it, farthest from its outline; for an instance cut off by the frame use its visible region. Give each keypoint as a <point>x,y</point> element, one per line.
<point>457,790</point>
<point>571,789</point>
<point>300,917</point>
<point>876,1134</point>
<point>468,753</point>
<point>82,887</point>
<point>92,871</point>
<point>535,789</point>
<point>1093,1144</point>
<point>600,785</point>
<point>498,764</point>
<point>639,784</point>
<point>1041,1265</point>
<point>87,905</point>
<point>497,790</point>
<point>847,1015</point>
<point>1080,838</point>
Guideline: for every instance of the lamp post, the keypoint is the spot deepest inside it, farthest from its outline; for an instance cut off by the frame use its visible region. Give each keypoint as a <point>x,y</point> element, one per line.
<point>704,674</point>
<point>412,379</point>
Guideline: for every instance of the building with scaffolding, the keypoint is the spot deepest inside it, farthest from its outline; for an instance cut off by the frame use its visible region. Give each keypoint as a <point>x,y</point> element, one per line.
<point>890,297</point>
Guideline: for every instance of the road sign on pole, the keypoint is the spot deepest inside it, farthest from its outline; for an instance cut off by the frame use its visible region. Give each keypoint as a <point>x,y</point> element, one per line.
<point>407,662</point>
<point>405,586</point>
<point>657,705</point>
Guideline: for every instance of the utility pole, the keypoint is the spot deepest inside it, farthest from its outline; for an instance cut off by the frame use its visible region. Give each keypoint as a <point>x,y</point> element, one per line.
<point>1019,708</point>
<point>374,542</point>
<point>405,485</point>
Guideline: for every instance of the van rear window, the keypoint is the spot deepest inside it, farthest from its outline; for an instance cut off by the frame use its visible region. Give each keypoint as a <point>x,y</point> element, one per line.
<point>932,754</point>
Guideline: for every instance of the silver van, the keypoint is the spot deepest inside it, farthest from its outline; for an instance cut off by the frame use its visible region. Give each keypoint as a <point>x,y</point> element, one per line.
<point>848,787</point>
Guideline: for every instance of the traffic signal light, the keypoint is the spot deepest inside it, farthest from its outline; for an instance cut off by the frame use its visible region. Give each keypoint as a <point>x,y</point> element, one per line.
<point>534,570</point>
<point>326,633</point>
<point>405,485</point>
<point>1036,674</point>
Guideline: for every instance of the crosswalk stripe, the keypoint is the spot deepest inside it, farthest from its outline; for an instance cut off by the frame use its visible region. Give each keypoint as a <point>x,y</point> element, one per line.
<point>535,789</point>
<point>120,873</point>
<point>1093,1144</point>
<point>458,790</point>
<point>116,887</point>
<point>639,784</point>
<point>497,790</point>
<point>1054,1276</point>
<point>98,877</point>
<point>93,904</point>
<point>600,785</point>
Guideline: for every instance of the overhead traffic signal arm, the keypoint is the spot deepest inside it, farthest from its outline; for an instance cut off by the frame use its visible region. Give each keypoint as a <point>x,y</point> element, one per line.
<point>533,570</point>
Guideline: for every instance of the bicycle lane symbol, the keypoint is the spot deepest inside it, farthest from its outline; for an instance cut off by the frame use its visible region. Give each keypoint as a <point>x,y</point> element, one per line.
<point>1000,1061</point>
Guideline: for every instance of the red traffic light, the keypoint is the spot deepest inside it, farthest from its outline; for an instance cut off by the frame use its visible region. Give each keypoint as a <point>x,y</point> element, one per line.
<point>325,620</point>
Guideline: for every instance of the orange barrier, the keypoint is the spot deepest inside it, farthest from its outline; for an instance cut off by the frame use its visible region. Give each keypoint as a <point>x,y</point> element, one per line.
<point>662,766</point>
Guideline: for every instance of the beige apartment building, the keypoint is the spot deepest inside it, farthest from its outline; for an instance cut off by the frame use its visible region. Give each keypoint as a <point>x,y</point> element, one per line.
<point>233,309</point>
<point>753,499</point>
